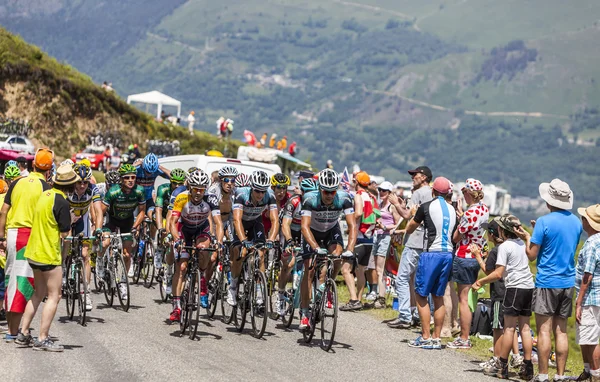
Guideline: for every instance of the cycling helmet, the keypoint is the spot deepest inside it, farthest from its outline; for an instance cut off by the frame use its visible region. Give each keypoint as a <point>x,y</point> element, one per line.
<point>192,169</point>
<point>84,172</point>
<point>150,163</point>
<point>85,162</point>
<point>112,177</point>
<point>242,180</point>
<point>11,163</point>
<point>127,169</point>
<point>259,180</point>
<point>178,175</point>
<point>280,179</point>
<point>198,179</point>
<point>329,180</point>
<point>228,171</point>
<point>67,161</point>
<point>308,185</point>
<point>12,172</point>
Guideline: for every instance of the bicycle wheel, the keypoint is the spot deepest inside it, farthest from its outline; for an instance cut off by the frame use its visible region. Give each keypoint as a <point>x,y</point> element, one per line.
<point>258,305</point>
<point>82,292</point>
<point>69,288</point>
<point>329,314</point>
<point>241,308</point>
<point>309,332</point>
<point>288,317</point>
<point>109,289</point>
<point>273,292</point>
<point>214,286</point>
<point>184,320</point>
<point>148,270</point>
<point>195,297</point>
<point>227,311</point>
<point>138,264</point>
<point>121,279</point>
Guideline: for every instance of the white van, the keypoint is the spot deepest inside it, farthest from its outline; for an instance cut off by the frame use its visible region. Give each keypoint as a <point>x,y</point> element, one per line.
<point>209,164</point>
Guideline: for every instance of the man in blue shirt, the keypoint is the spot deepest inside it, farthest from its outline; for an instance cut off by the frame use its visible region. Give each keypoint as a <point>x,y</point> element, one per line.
<point>553,245</point>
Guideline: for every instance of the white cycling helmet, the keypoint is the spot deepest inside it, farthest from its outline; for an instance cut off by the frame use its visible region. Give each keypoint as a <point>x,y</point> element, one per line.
<point>198,178</point>
<point>329,180</point>
<point>260,181</point>
<point>67,161</point>
<point>228,171</point>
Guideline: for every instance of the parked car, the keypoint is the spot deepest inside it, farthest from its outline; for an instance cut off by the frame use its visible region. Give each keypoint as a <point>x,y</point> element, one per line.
<point>95,154</point>
<point>16,143</point>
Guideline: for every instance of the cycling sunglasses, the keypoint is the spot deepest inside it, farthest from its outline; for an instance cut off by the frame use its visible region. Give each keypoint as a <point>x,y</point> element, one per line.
<point>84,182</point>
<point>228,180</point>
<point>197,189</point>
<point>281,187</point>
<point>131,177</point>
<point>330,192</point>
<point>259,191</point>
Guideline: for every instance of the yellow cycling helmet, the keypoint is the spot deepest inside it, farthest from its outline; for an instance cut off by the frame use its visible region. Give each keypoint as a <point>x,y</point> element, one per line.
<point>280,180</point>
<point>85,162</point>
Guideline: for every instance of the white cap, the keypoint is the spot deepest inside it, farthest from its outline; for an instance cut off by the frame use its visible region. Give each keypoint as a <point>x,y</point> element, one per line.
<point>386,186</point>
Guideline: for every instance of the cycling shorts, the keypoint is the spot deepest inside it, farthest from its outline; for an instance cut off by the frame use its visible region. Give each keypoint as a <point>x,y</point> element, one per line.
<point>325,239</point>
<point>150,205</point>
<point>124,225</point>
<point>189,235</point>
<point>255,232</point>
<point>83,225</point>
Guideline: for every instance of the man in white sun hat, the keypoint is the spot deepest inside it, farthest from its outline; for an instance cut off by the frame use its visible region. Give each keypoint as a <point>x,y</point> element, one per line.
<point>553,245</point>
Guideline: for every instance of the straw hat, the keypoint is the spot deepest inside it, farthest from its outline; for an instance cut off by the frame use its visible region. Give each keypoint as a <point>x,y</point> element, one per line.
<point>592,215</point>
<point>65,176</point>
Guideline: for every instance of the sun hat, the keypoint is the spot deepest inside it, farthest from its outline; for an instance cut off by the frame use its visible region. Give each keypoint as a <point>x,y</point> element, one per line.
<point>473,185</point>
<point>441,185</point>
<point>422,170</point>
<point>508,222</point>
<point>592,215</point>
<point>363,178</point>
<point>386,186</point>
<point>43,159</point>
<point>557,194</point>
<point>65,176</point>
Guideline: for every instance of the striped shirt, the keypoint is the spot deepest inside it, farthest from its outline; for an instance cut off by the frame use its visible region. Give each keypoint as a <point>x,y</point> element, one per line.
<point>439,220</point>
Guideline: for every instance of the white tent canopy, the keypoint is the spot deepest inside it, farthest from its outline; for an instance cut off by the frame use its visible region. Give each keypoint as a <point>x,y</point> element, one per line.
<point>156,98</point>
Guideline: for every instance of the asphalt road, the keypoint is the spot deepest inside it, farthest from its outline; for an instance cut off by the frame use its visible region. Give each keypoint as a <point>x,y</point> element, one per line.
<point>141,346</point>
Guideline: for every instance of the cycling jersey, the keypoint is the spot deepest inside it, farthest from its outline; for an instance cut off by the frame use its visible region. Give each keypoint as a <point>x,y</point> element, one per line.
<point>243,201</point>
<point>194,215</point>
<point>174,194</point>
<point>146,180</point>
<point>292,210</point>
<point>266,214</point>
<point>121,205</point>
<point>80,205</point>
<point>325,218</point>
<point>163,197</point>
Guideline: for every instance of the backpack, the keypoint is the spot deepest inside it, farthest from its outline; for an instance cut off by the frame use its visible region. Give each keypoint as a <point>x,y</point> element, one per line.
<point>482,318</point>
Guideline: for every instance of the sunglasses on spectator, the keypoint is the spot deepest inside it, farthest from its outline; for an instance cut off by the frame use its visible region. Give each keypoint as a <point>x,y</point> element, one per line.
<point>382,190</point>
<point>132,177</point>
<point>228,180</point>
<point>330,192</point>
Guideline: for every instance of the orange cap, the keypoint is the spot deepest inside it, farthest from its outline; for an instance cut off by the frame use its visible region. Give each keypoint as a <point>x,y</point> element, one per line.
<point>3,186</point>
<point>363,178</point>
<point>44,159</point>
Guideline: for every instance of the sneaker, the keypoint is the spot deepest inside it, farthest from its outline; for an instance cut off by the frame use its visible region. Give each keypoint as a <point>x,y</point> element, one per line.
<point>9,338</point>
<point>436,344</point>
<point>123,291</point>
<point>488,363</point>
<point>88,302</point>
<point>281,305</point>
<point>537,379</point>
<point>24,340</point>
<point>130,273</point>
<point>398,323</point>
<point>304,323</point>
<point>497,370</point>
<point>459,343</point>
<point>175,315</point>
<point>3,329</point>
<point>47,345</point>
<point>351,306</point>
<point>231,294</point>
<point>380,303</point>
<point>371,297</point>
<point>526,372</point>
<point>420,342</point>
<point>516,361</point>
<point>204,301</point>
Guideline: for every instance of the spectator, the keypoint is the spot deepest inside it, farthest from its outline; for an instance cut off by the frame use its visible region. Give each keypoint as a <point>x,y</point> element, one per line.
<point>385,226</point>
<point>22,163</point>
<point>553,244</point>
<point>435,262</point>
<point>587,283</point>
<point>272,140</point>
<point>282,144</point>
<point>512,264</point>
<point>191,121</point>
<point>330,164</point>
<point>471,230</point>
<point>16,220</point>
<point>413,246</point>
<point>292,149</point>
<point>263,140</point>
<point>52,222</point>
<point>107,156</point>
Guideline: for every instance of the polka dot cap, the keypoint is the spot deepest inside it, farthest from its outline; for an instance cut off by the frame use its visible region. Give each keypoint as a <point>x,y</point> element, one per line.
<point>473,185</point>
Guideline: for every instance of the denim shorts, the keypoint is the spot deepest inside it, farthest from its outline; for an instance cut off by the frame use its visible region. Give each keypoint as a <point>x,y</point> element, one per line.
<point>465,271</point>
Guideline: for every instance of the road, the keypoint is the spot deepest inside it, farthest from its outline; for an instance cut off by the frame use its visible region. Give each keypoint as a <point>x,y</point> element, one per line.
<point>140,346</point>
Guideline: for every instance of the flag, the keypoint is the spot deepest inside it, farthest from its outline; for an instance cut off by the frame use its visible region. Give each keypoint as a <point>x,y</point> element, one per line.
<point>346,180</point>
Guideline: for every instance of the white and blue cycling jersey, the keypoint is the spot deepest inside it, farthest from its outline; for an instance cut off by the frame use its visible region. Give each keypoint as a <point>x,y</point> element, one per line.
<point>146,180</point>
<point>323,217</point>
<point>251,211</point>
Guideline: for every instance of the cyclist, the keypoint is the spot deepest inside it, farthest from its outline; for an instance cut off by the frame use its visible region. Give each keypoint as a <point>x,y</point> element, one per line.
<point>242,180</point>
<point>84,162</point>
<point>112,178</point>
<point>11,173</point>
<point>320,213</point>
<point>163,197</point>
<point>291,231</point>
<point>147,172</point>
<point>196,212</point>
<point>222,193</point>
<point>85,204</point>
<point>250,202</point>
<point>120,203</point>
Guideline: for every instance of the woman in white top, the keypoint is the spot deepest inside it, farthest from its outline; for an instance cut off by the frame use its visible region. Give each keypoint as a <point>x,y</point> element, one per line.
<point>512,264</point>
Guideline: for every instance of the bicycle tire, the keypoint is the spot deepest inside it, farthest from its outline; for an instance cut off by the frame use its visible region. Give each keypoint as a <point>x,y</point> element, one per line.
<point>214,286</point>
<point>69,292</point>
<point>258,312</point>
<point>148,270</point>
<point>227,311</point>
<point>138,264</point>
<point>309,333</point>
<point>121,278</point>
<point>241,307</point>
<point>82,292</point>
<point>273,292</point>
<point>288,318</point>
<point>184,317</point>
<point>329,314</point>
<point>109,289</point>
<point>196,306</point>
